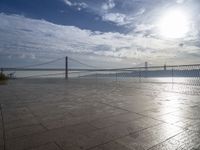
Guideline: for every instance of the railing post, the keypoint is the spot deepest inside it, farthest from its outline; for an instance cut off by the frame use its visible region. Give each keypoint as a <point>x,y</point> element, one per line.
<point>1,73</point>
<point>66,67</point>
<point>140,75</point>
<point>198,75</point>
<point>1,70</point>
<point>198,72</point>
<point>172,75</point>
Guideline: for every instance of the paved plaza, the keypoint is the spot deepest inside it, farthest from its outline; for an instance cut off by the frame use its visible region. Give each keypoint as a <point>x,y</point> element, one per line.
<point>56,114</point>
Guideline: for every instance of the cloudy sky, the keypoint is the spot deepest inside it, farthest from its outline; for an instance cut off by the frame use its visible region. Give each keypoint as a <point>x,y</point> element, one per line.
<point>104,33</point>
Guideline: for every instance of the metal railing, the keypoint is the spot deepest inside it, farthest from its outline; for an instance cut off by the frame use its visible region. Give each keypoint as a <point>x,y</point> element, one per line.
<point>179,74</point>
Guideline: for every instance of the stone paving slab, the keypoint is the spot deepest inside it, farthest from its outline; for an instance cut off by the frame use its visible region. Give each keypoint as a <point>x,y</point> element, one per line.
<point>48,146</point>
<point>24,131</point>
<point>56,114</point>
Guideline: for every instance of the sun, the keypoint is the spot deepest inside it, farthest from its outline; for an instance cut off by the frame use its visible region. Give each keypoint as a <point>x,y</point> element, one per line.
<point>174,24</point>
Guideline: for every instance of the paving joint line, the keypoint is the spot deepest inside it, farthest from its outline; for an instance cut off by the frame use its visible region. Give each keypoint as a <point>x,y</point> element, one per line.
<point>166,140</point>
<point>122,137</point>
<point>60,147</point>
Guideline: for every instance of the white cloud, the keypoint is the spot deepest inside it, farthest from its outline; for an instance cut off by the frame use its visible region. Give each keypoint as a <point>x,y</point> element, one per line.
<point>124,19</point>
<point>143,27</point>
<point>180,1</point>
<point>78,5</point>
<point>69,3</point>
<point>117,18</point>
<point>107,14</point>
<point>108,5</point>
<point>20,36</point>
<point>141,11</point>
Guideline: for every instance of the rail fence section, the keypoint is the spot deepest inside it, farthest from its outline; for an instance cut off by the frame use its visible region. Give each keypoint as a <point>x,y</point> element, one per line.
<point>176,74</point>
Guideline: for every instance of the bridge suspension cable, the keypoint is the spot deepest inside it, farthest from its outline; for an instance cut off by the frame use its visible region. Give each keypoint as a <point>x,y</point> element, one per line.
<point>41,64</point>
<point>84,64</point>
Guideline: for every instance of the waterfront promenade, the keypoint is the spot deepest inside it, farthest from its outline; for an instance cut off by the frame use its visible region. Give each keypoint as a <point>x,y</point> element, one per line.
<point>84,114</point>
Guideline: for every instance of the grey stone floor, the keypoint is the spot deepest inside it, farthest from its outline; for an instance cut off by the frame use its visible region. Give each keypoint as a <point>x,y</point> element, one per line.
<point>97,115</point>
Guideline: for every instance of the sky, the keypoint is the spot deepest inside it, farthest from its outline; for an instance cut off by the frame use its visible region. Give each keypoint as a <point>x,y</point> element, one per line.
<point>102,33</point>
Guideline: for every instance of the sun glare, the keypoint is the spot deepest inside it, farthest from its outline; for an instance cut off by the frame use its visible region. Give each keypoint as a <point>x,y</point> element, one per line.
<point>174,24</point>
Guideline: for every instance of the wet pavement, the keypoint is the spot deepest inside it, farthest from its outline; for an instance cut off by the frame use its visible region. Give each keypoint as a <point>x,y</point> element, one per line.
<point>56,114</point>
